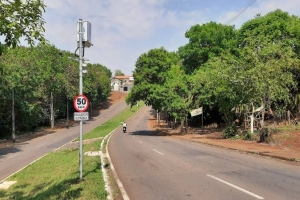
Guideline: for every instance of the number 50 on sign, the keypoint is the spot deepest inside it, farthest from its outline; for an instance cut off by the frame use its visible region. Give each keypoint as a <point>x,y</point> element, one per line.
<point>81,103</point>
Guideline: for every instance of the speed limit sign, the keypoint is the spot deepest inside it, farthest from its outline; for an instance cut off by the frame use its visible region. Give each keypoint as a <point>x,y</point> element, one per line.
<point>81,103</point>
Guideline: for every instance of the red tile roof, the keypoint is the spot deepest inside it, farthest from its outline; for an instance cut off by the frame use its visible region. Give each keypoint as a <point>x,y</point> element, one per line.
<point>123,77</point>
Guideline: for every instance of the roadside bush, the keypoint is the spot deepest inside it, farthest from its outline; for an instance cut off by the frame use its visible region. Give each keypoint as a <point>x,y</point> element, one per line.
<point>236,137</point>
<point>247,135</point>
<point>230,131</point>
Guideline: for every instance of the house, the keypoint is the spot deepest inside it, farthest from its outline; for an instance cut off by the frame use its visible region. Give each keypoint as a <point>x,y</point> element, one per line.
<point>122,83</point>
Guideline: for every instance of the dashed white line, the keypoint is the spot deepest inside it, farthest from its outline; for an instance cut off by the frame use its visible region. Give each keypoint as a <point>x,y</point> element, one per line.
<point>236,187</point>
<point>13,155</point>
<point>158,151</point>
<point>141,142</point>
<point>40,145</point>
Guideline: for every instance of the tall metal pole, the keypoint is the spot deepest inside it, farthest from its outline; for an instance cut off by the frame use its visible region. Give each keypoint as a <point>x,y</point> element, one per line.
<point>80,92</point>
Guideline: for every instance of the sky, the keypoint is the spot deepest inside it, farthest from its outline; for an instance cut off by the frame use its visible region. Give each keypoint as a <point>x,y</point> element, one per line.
<point>122,30</point>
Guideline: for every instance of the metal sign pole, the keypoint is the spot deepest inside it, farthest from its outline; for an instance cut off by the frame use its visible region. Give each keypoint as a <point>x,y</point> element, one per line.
<point>80,93</point>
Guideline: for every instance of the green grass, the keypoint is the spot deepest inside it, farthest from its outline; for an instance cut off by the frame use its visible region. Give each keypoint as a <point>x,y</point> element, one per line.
<point>56,176</point>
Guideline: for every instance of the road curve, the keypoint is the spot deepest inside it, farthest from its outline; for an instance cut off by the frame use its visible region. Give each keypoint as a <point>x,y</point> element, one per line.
<point>20,155</point>
<point>161,167</point>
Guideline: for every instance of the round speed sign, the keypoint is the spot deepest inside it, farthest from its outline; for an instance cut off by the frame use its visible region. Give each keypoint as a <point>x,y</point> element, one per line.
<point>81,103</point>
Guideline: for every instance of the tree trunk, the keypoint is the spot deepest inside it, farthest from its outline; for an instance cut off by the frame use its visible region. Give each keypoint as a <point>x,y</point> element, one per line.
<point>52,112</point>
<point>182,127</point>
<point>252,119</point>
<point>157,117</point>
<point>13,117</point>
<point>186,122</point>
<point>262,121</point>
<point>174,123</point>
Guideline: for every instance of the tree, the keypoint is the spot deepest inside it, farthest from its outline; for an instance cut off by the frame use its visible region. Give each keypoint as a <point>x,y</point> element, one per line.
<point>206,41</point>
<point>212,86</point>
<point>21,18</point>
<point>271,44</point>
<point>119,73</point>
<point>33,74</point>
<point>150,76</point>
<point>177,96</point>
<point>97,83</point>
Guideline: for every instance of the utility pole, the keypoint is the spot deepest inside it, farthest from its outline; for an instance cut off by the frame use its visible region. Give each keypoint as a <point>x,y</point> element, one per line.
<point>80,93</point>
<point>84,40</point>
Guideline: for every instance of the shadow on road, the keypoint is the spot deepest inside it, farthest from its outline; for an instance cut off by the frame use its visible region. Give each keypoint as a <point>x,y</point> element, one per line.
<point>11,149</point>
<point>148,133</point>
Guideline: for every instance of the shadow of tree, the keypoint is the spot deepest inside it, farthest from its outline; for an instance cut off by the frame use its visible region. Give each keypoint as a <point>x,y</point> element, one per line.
<point>95,170</point>
<point>58,191</point>
<point>11,149</point>
<point>148,133</point>
<point>3,194</point>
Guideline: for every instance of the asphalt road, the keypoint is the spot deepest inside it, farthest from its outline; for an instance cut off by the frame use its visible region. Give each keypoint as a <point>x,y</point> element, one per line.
<point>20,155</point>
<point>153,167</point>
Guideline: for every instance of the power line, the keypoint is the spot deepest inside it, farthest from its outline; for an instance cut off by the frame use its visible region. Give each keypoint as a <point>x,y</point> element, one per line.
<point>243,9</point>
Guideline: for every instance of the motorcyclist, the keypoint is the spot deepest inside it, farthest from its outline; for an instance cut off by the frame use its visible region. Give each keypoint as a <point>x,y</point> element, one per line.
<point>124,126</point>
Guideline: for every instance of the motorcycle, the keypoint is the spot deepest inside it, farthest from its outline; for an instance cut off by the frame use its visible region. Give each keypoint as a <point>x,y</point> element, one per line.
<point>124,129</point>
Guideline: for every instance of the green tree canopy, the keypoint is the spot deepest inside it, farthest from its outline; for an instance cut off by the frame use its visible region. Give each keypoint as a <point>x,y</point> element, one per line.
<point>33,74</point>
<point>206,41</point>
<point>119,73</point>
<point>271,44</point>
<point>177,96</point>
<point>150,76</point>
<point>21,18</point>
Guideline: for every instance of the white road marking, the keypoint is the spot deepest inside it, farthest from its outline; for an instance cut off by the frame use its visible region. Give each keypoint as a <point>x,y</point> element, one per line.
<point>236,187</point>
<point>140,141</point>
<point>13,155</point>
<point>40,145</point>
<point>158,152</point>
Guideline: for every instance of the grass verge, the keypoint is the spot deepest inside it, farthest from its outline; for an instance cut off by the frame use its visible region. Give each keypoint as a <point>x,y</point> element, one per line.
<point>56,176</point>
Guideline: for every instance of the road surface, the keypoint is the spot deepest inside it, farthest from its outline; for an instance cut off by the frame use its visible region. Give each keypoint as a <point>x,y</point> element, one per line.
<point>20,155</point>
<point>161,167</point>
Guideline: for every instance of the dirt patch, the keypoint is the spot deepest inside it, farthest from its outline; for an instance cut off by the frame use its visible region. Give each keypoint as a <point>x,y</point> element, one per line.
<point>115,97</point>
<point>284,145</point>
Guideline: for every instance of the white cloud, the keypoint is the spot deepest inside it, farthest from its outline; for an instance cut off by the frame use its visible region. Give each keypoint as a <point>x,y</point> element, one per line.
<point>118,26</point>
<point>124,29</point>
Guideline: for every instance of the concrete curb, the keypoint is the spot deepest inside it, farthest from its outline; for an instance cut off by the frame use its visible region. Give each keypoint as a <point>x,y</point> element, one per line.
<point>103,168</point>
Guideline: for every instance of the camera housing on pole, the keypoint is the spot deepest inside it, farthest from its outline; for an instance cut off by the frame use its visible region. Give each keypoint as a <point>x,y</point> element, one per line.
<point>87,34</point>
